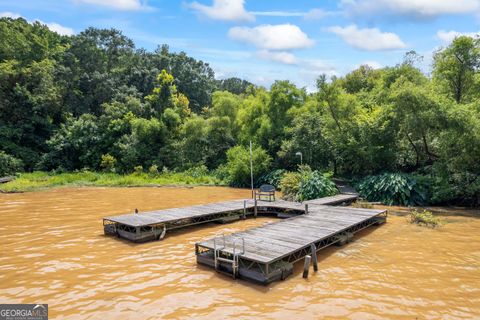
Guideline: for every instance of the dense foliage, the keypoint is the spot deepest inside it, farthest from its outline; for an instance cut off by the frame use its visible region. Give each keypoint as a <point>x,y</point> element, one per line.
<point>94,101</point>
<point>306,184</point>
<point>272,178</point>
<point>392,189</point>
<point>237,169</point>
<point>9,165</point>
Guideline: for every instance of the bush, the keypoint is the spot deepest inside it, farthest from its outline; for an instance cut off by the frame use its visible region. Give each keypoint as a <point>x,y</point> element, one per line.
<point>425,218</point>
<point>198,171</point>
<point>290,185</point>
<point>108,163</point>
<point>273,177</point>
<point>392,189</point>
<point>306,185</point>
<point>153,170</point>
<point>445,188</point>
<point>138,170</point>
<point>316,185</point>
<point>237,168</point>
<point>9,165</point>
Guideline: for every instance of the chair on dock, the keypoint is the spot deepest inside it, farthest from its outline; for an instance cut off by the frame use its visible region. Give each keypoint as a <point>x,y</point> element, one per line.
<point>265,190</point>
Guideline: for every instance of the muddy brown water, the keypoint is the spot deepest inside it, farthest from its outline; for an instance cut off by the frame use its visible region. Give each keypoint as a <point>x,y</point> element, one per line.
<point>53,251</point>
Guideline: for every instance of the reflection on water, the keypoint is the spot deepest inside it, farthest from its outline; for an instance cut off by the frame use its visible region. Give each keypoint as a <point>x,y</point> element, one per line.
<point>53,251</point>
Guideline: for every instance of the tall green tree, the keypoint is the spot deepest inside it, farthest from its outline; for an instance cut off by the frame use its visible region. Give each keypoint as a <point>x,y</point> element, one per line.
<point>455,67</point>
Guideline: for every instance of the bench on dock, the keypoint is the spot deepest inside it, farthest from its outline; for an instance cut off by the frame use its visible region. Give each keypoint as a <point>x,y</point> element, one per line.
<point>265,190</point>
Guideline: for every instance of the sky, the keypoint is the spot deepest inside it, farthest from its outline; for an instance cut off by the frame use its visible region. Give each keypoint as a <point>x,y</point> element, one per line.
<point>267,40</point>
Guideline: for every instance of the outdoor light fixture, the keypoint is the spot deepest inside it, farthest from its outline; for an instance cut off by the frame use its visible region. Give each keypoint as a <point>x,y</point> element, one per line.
<point>300,155</point>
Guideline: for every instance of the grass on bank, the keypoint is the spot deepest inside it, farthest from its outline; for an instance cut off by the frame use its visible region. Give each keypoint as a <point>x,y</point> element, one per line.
<point>424,218</point>
<point>44,180</point>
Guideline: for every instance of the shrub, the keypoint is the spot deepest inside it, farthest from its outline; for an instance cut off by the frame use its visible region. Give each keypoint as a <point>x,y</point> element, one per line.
<point>290,185</point>
<point>153,170</point>
<point>138,170</point>
<point>108,163</point>
<point>198,171</point>
<point>425,218</point>
<point>237,168</point>
<point>392,189</point>
<point>9,164</point>
<point>306,185</point>
<point>316,185</point>
<point>273,177</point>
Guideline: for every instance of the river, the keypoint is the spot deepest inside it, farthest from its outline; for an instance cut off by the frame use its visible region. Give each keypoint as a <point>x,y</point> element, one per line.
<point>53,251</point>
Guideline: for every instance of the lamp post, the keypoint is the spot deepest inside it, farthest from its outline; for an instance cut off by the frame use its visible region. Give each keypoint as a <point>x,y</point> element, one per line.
<point>300,155</point>
<point>251,168</point>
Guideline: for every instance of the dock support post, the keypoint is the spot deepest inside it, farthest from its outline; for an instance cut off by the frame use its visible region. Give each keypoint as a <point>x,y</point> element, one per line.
<point>162,235</point>
<point>313,248</point>
<point>244,209</point>
<point>255,209</point>
<point>306,266</point>
<point>306,208</point>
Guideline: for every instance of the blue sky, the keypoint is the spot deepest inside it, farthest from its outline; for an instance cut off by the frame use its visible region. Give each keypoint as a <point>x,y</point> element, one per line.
<point>263,41</point>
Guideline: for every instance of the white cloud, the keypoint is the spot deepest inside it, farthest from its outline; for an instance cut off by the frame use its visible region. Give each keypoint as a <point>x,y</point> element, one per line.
<point>278,13</point>
<point>319,67</point>
<point>277,56</point>
<point>126,5</point>
<point>272,37</point>
<point>55,27</point>
<point>371,39</point>
<point>313,14</point>
<point>415,9</point>
<point>8,14</point>
<point>449,36</point>
<point>316,14</point>
<point>226,10</point>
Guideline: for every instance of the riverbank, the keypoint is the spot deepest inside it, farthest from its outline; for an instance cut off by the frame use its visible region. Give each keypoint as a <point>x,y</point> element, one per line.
<point>36,181</point>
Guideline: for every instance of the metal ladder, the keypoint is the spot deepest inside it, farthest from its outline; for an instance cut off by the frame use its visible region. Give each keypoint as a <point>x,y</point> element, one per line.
<point>235,259</point>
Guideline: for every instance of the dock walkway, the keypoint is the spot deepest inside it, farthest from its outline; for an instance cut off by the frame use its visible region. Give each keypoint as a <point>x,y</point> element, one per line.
<point>263,254</point>
<point>267,253</point>
<point>153,225</point>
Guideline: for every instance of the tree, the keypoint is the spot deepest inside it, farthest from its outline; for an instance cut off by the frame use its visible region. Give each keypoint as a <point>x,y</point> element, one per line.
<point>76,144</point>
<point>306,136</point>
<point>30,95</point>
<point>234,85</point>
<point>455,67</point>
<point>94,66</point>
<point>416,114</point>
<point>283,97</point>
<point>238,165</point>
<point>363,78</point>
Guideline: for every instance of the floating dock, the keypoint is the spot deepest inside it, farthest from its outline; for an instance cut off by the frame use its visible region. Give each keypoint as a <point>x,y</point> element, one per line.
<point>263,254</point>
<point>153,225</point>
<point>267,253</point>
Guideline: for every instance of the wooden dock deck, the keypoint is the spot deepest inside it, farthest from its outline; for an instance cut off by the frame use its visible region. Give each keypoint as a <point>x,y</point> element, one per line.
<point>263,254</point>
<point>267,253</point>
<point>153,225</point>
